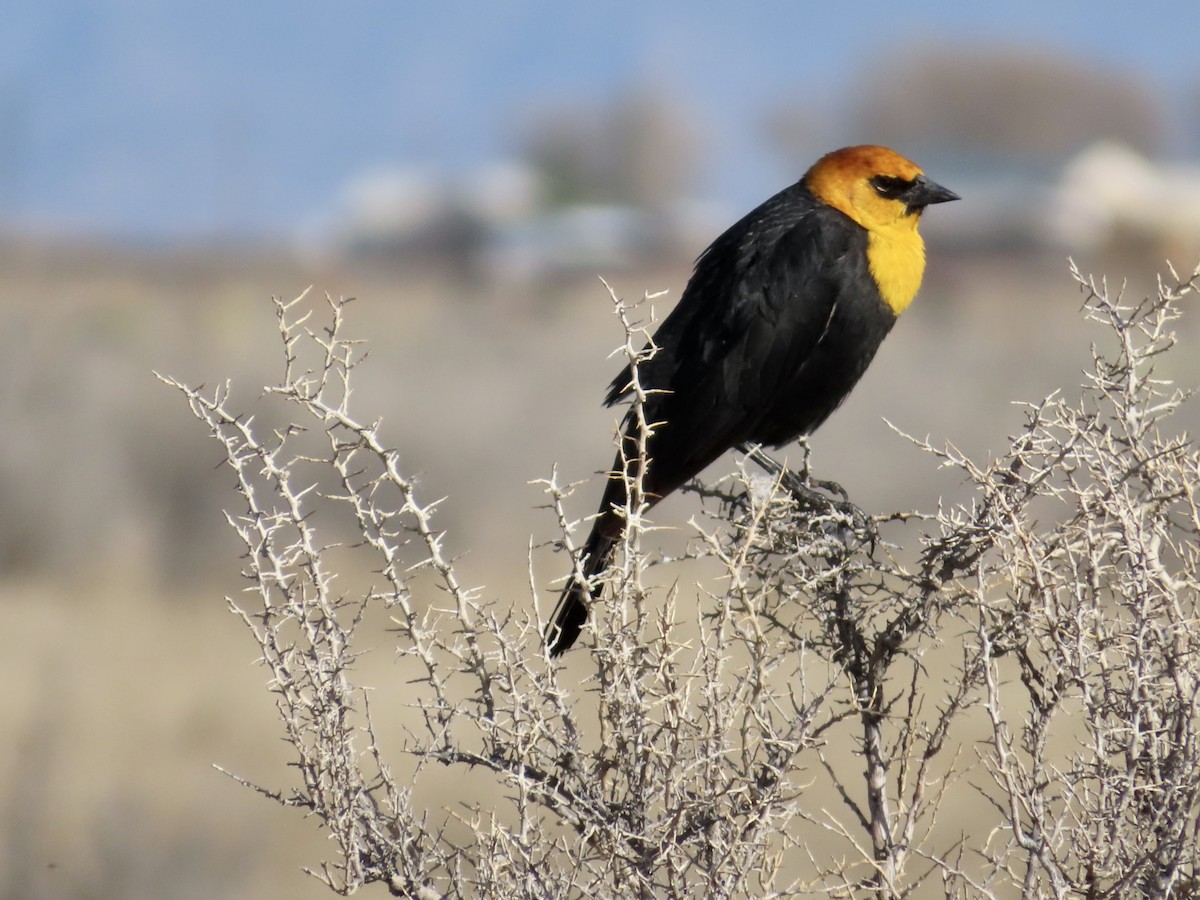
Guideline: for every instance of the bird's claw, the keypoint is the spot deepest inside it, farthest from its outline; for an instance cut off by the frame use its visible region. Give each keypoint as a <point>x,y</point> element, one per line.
<point>815,495</point>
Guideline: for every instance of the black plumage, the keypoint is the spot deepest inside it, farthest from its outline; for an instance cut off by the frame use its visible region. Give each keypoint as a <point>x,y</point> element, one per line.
<point>781,317</point>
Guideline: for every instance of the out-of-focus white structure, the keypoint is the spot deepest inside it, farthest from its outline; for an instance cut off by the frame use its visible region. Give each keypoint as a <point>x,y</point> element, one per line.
<point>1109,194</point>
<point>394,206</point>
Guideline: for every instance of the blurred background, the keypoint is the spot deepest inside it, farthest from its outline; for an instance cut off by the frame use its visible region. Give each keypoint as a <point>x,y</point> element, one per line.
<point>467,172</point>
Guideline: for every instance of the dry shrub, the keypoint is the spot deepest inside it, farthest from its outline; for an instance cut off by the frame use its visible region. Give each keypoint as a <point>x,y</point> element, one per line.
<point>1033,651</point>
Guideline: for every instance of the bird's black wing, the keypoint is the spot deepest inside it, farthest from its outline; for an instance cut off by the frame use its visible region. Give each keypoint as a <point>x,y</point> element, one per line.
<point>755,308</point>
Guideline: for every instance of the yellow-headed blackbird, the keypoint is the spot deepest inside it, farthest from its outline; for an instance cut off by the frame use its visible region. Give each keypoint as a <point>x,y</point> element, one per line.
<point>780,319</point>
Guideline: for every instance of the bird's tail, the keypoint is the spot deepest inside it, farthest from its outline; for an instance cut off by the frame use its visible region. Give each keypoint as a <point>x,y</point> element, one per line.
<point>571,612</point>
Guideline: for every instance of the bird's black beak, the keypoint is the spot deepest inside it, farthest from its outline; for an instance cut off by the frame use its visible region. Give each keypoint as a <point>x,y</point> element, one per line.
<point>925,192</point>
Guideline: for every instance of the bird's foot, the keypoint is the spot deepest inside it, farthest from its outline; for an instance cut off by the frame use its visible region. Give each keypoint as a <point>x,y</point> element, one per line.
<point>815,495</point>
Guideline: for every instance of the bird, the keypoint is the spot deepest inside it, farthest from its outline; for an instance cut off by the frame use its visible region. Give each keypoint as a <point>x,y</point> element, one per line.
<point>781,316</point>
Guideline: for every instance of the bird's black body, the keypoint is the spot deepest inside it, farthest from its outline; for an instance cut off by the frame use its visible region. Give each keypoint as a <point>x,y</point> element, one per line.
<point>781,317</point>
<point>740,360</point>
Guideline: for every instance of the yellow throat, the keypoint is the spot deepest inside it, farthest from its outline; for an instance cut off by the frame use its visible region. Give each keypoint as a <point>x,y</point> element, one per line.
<point>896,257</point>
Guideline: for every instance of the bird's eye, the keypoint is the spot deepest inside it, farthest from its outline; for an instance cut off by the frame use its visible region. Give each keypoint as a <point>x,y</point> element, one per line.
<point>891,187</point>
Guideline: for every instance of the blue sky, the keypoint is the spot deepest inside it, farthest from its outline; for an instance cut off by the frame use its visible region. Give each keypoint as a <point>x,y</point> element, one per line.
<point>151,118</point>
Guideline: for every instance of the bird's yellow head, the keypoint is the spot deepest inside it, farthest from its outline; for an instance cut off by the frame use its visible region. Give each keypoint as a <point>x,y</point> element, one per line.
<point>884,193</point>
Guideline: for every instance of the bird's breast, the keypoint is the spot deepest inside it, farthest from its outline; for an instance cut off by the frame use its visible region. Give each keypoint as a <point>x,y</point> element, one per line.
<point>897,263</point>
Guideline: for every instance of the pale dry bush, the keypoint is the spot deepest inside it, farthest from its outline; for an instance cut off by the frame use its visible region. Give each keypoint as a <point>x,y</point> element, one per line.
<point>799,729</point>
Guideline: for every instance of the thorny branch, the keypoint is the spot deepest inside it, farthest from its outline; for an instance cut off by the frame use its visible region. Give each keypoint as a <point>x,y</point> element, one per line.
<point>836,658</point>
